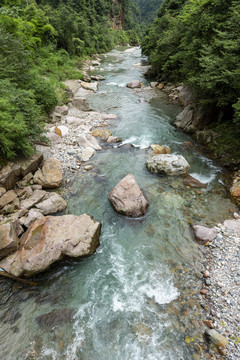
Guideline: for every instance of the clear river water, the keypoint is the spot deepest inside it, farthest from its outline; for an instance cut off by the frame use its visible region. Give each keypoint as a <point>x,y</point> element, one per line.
<point>136,298</point>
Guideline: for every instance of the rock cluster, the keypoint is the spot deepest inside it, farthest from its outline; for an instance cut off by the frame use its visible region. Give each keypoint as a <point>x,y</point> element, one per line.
<point>50,239</point>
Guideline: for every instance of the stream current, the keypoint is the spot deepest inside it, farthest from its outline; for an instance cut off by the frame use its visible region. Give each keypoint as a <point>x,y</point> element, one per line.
<point>137,297</point>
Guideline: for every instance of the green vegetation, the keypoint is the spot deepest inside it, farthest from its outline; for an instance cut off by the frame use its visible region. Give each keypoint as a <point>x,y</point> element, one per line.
<point>43,42</point>
<point>198,42</point>
<point>148,9</point>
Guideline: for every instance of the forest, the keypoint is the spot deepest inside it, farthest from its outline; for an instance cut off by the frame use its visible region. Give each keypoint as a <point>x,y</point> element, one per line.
<point>197,42</point>
<point>42,43</point>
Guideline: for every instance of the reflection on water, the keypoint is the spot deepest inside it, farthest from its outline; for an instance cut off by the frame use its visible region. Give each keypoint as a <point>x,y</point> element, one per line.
<point>137,297</point>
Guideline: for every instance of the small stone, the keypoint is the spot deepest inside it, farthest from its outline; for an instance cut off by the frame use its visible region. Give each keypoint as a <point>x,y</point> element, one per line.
<point>203,291</point>
<point>206,274</point>
<point>88,167</point>
<point>207,282</point>
<point>209,324</point>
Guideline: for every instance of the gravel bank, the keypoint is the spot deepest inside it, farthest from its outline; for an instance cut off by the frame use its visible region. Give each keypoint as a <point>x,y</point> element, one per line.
<point>221,302</point>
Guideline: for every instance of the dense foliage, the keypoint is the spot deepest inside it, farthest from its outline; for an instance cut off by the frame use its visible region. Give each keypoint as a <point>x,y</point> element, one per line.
<point>198,42</point>
<point>148,9</point>
<point>42,43</point>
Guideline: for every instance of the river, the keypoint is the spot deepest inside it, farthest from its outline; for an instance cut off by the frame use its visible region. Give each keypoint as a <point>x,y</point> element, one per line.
<point>137,297</point>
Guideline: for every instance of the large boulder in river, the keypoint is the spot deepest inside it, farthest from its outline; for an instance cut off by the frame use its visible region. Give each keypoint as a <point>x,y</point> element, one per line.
<point>169,164</point>
<point>50,239</point>
<point>134,84</point>
<point>50,176</point>
<point>9,240</point>
<point>127,198</point>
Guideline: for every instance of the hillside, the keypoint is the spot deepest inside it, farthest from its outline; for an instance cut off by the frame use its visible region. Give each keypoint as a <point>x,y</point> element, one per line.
<point>148,9</point>
<point>197,42</point>
<point>42,43</point>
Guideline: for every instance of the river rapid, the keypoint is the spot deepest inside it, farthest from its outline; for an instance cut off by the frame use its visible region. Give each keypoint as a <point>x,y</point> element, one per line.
<point>137,297</point>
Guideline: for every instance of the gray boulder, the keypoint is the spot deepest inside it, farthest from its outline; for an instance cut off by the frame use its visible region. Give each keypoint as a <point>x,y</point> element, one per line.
<point>7,198</point>
<point>127,198</point>
<point>169,164</point>
<point>204,234</point>
<point>134,84</point>
<point>50,239</point>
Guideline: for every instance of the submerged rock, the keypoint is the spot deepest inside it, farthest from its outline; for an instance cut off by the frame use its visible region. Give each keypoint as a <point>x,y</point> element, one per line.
<point>204,234</point>
<point>169,164</point>
<point>134,84</point>
<point>55,318</point>
<point>128,199</point>
<point>192,182</point>
<point>50,239</point>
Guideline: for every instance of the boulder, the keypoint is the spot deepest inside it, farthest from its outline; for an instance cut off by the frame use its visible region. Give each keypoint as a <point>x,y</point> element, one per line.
<point>12,172</point>
<point>50,239</point>
<point>184,119</point>
<point>50,176</point>
<point>2,191</point>
<point>93,86</point>
<point>34,199</point>
<point>7,198</point>
<point>25,181</point>
<point>55,318</point>
<point>186,96</point>
<point>81,103</point>
<point>88,141</point>
<point>86,154</point>
<point>204,234</point>
<point>12,207</point>
<point>109,117</point>
<point>153,84</point>
<point>55,117</point>
<point>9,240</point>
<point>113,140</point>
<point>169,164</point>
<point>25,192</point>
<point>192,182</point>
<point>95,63</point>
<point>160,86</point>
<point>102,133</point>
<point>53,138</point>
<point>32,216</point>
<point>97,77</point>
<point>73,120</point>
<point>161,149</point>
<point>72,85</point>
<point>127,198</point>
<point>61,130</point>
<point>215,339</point>
<point>51,204</point>
<point>62,110</point>
<point>134,84</point>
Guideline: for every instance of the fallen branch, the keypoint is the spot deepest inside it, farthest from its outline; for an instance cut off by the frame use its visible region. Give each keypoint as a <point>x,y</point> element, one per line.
<point>5,274</point>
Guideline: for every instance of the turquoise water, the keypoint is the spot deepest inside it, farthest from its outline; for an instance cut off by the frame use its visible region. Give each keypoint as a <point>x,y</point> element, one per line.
<point>136,298</point>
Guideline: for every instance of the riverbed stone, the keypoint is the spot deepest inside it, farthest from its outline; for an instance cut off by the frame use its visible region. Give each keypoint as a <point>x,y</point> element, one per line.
<point>204,234</point>
<point>192,182</point>
<point>51,204</point>
<point>50,176</point>
<point>93,86</point>
<point>161,149</point>
<point>128,199</point>
<point>109,117</point>
<point>2,191</point>
<point>104,134</point>
<point>21,184</point>
<point>214,338</point>
<point>33,215</point>
<point>55,318</point>
<point>86,154</point>
<point>81,103</point>
<point>61,130</point>
<point>9,240</point>
<point>232,224</point>
<point>169,164</point>
<point>7,198</point>
<point>12,207</point>
<point>62,110</point>
<point>134,84</point>
<point>114,140</point>
<point>53,138</point>
<point>32,200</point>
<point>50,239</point>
